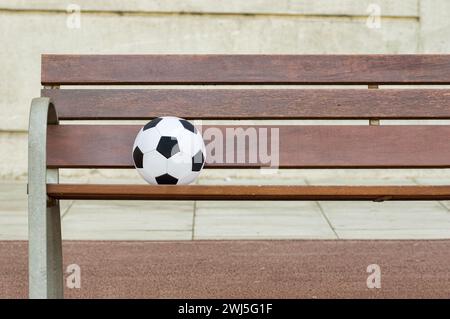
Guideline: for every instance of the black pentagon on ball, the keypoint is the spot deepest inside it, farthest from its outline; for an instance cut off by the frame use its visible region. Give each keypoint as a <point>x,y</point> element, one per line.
<point>197,161</point>
<point>166,179</point>
<point>188,126</point>
<point>152,123</point>
<point>168,146</point>
<point>138,157</point>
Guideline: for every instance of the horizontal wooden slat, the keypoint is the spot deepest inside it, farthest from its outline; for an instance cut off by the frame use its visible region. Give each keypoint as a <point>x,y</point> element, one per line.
<point>251,104</point>
<point>97,146</point>
<point>245,69</point>
<point>247,192</point>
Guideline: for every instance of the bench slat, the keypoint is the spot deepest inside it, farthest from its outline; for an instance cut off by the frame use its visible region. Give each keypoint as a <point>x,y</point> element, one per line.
<point>356,146</point>
<point>246,192</point>
<point>251,104</point>
<point>245,69</point>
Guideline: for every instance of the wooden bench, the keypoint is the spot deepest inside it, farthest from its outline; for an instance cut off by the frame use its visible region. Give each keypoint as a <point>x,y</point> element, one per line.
<point>54,146</point>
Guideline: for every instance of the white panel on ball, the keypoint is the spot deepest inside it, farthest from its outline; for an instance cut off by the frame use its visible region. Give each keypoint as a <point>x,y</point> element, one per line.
<point>179,165</point>
<point>154,164</point>
<point>188,178</point>
<point>189,142</point>
<point>169,126</point>
<point>148,140</point>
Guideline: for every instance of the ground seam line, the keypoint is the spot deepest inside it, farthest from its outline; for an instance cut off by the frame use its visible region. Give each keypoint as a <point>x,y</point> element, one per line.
<point>447,209</point>
<point>324,215</point>
<point>66,211</point>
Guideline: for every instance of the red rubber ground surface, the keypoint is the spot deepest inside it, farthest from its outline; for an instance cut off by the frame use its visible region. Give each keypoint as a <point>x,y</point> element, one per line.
<point>242,269</point>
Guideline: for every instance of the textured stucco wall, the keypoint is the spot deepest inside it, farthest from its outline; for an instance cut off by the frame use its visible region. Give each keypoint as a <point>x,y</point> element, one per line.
<point>30,28</point>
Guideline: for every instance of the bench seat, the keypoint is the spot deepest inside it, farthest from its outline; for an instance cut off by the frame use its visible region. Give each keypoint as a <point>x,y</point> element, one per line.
<point>246,192</point>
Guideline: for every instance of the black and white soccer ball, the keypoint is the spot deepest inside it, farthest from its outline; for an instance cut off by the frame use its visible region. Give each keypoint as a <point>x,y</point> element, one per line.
<point>169,150</point>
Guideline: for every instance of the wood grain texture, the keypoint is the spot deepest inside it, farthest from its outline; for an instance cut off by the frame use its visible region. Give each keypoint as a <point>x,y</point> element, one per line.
<point>246,192</point>
<point>104,104</point>
<point>426,146</point>
<point>245,69</point>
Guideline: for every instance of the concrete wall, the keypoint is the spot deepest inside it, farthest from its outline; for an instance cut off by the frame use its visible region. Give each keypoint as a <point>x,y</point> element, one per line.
<point>30,28</point>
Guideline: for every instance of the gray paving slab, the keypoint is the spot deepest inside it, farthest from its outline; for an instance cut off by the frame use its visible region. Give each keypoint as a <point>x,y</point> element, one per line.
<point>260,220</point>
<point>393,220</point>
<point>133,220</point>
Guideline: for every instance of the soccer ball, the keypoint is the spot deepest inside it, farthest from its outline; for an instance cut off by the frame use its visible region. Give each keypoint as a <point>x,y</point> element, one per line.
<point>169,150</point>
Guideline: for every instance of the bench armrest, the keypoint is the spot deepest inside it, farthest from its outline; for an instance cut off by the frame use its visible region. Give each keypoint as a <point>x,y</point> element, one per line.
<point>42,113</point>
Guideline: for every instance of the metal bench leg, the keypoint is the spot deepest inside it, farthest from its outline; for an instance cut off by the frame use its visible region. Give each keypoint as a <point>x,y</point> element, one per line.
<point>44,224</point>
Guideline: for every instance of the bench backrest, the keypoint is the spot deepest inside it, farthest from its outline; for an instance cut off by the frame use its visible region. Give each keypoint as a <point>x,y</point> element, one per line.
<point>313,146</point>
